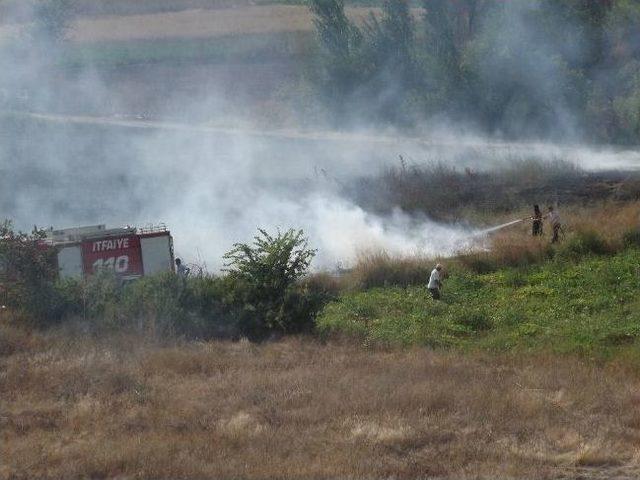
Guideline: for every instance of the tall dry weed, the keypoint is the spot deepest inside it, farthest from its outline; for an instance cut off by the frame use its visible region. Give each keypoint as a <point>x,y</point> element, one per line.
<point>604,223</point>
<point>379,269</point>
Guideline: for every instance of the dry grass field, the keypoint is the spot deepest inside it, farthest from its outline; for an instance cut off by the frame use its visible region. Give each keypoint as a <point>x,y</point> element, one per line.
<point>73,406</point>
<point>197,23</point>
<point>201,23</point>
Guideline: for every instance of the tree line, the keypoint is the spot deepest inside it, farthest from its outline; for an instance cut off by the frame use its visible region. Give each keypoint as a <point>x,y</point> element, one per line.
<point>544,68</point>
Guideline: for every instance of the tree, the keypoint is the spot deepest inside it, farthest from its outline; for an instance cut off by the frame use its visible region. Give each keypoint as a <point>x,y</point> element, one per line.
<point>393,71</point>
<point>450,27</point>
<point>340,41</point>
<point>577,29</point>
<point>544,68</point>
<point>266,273</point>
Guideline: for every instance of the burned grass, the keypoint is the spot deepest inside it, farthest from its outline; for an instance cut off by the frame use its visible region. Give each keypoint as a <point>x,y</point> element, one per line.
<point>446,193</point>
<point>81,407</point>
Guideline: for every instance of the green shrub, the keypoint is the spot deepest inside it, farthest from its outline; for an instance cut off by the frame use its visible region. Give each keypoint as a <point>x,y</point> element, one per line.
<point>199,307</point>
<point>27,273</point>
<point>69,299</point>
<point>212,312</point>
<point>584,243</point>
<point>512,317</point>
<point>264,275</point>
<point>155,302</point>
<point>103,298</point>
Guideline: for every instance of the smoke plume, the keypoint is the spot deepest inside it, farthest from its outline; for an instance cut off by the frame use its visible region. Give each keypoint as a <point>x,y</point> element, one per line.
<point>74,151</point>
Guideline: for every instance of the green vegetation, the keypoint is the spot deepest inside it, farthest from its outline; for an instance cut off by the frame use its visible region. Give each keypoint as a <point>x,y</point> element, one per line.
<point>261,294</point>
<point>27,273</point>
<point>580,297</point>
<point>589,306</point>
<point>265,276</point>
<point>524,69</point>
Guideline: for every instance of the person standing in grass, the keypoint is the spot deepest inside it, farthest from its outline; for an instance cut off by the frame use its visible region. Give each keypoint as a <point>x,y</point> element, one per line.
<point>537,221</point>
<point>554,218</point>
<point>435,282</point>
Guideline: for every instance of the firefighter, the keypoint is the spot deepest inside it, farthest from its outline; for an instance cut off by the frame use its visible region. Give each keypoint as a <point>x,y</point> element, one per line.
<point>554,218</point>
<point>435,282</point>
<point>536,228</point>
<point>181,270</point>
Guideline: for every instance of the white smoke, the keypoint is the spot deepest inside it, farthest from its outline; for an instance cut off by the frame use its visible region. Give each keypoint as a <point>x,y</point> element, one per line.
<point>75,155</point>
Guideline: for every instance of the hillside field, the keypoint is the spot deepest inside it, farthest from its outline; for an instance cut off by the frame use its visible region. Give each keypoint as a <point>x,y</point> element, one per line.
<point>587,307</point>
<point>526,371</point>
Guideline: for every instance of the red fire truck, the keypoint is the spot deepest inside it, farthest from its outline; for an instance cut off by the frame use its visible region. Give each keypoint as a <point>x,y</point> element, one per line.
<point>129,252</point>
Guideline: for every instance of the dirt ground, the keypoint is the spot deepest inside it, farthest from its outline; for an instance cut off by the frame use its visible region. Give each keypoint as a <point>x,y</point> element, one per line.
<point>81,407</point>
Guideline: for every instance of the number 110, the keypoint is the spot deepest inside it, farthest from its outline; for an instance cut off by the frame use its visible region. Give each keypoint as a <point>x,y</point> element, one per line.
<point>119,264</point>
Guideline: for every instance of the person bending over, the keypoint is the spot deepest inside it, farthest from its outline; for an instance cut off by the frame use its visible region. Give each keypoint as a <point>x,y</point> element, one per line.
<point>435,282</point>
<point>181,270</point>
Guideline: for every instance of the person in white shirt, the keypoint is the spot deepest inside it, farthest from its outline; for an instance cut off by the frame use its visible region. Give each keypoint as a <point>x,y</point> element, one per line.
<point>435,282</point>
<point>181,270</point>
<point>554,219</point>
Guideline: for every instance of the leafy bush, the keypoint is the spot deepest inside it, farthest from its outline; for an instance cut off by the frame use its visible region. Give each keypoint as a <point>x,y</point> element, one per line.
<point>265,291</point>
<point>102,298</point>
<point>161,305</point>
<point>155,302</point>
<point>27,272</point>
<point>209,301</point>
<point>583,243</point>
<point>69,299</point>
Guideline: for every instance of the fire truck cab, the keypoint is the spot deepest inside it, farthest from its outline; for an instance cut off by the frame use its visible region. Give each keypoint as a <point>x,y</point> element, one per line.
<point>129,252</point>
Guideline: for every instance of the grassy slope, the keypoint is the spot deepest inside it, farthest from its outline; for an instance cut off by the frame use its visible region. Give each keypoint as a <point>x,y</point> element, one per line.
<point>588,307</point>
